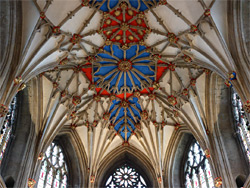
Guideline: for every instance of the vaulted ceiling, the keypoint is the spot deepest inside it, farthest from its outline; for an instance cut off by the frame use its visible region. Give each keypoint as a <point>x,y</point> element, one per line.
<point>124,72</point>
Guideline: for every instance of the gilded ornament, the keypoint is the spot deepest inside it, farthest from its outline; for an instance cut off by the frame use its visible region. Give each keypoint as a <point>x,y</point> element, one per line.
<point>207,12</point>
<point>31,183</point>
<point>92,179</point>
<point>247,107</point>
<point>73,126</point>
<point>207,153</point>
<point>172,67</point>
<point>172,38</point>
<point>95,123</point>
<point>228,83</point>
<point>118,37</point>
<point>76,100</point>
<point>3,110</point>
<point>117,13</point>
<point>159,179</point>
<point>144,115</point>
<point>130,12</point>
<point>141,15</point>
<point>138,126</point>
<point>40,156</point>
<point>139,21</point>
<point>151,96</point>
<point>142,43</point>
<point>56,30</point>
<point>218,182</point>
<point>109,32</point>
<point>156,85</point>
<point>112,97</point>
<point>86,124</point>
<point>22,87</point>
<point>108,42</point>
<point>163,2</point>
<point>125,143</point>
<point>187,59</point>
<point>232,75</point>
<point>111,126</point>
<point>124,104</point>
<point>105,15</point>
<point>85,3</point>
<point>193,28</point>
<point>193,82</point>
<point>108,21</point>
<point>137,94</point>
<point>177,126</point>
<point>125,47</point>
<point>64,61</point>
<point>124,26</point>
<point>185,91</point>
<point>55,85</point>
<point>73,115</point>
<point>18,80</point>
<point>124,66</point>
<point>130,37</point>
<point>140,32</point>
<point>176,113</point>
<point>97,98</point>
<point>75,38</point>
<point>106,116</point>
<point>92,87</point>
<point>172,100</point>
<point>124,5</point>
<point>42,15</point>
<point>63,93</point>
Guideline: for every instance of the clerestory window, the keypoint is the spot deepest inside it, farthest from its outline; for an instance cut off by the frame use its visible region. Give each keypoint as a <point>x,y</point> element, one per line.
<point>54,171</point>
<point>197,169</point>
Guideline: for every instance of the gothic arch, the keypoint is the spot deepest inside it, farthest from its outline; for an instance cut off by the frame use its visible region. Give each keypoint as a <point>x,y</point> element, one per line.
<point>131,156</point>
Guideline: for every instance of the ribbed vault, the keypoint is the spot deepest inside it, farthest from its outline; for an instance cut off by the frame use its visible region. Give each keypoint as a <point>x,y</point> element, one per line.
<point>126,73</point>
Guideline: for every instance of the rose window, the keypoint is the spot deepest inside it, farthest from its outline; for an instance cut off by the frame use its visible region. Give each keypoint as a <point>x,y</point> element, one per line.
<point>125,176</point>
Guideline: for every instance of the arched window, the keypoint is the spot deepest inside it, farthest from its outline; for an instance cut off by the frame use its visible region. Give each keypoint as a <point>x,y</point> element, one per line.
<point>241,122</point>
<point>197,169</point>
<point>125,176</point>
<point>7,128</point>
<point>54,170</point>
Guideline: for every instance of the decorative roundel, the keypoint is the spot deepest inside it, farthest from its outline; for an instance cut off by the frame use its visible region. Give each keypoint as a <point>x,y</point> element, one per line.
<point>124,25</point>
<point>106,6</point>
<point>124,114</point>
<point>118,71</point>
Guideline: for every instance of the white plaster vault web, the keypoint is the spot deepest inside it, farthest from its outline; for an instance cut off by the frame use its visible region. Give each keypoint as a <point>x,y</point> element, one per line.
<point>61,43</point>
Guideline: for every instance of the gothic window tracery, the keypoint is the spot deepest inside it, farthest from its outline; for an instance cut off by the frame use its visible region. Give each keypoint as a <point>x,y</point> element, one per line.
<point>197,169</point>
<point>242,124</point>
<point>54,169</point>
<point>125,176</point>
<point>6,128</point>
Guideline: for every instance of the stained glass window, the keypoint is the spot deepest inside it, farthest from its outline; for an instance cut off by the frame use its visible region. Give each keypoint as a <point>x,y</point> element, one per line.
<point>7,128</point>
<point>242,123</point>
<point>125,176</point>
<point>197,169</point>
<point>54,170</point>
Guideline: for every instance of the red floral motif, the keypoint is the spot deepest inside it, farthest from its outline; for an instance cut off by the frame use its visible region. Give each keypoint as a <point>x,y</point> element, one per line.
<point>124,31</point>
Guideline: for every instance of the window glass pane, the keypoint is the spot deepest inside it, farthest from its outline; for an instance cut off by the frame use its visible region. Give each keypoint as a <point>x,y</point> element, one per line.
<point>242,123</point>
<point>125,176</point>
<point>197,169</point>
<point>52,174</point>
<point>7,127</point>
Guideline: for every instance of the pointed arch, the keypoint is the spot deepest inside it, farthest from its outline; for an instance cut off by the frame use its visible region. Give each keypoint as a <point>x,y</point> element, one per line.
<point>126,155</point>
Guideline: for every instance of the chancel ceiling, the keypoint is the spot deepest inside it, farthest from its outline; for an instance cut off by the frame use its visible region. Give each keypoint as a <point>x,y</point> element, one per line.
<point>127,73</point>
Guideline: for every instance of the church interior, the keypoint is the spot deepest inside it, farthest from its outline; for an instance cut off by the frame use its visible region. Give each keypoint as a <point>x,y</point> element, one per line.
<point>125,93</point>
